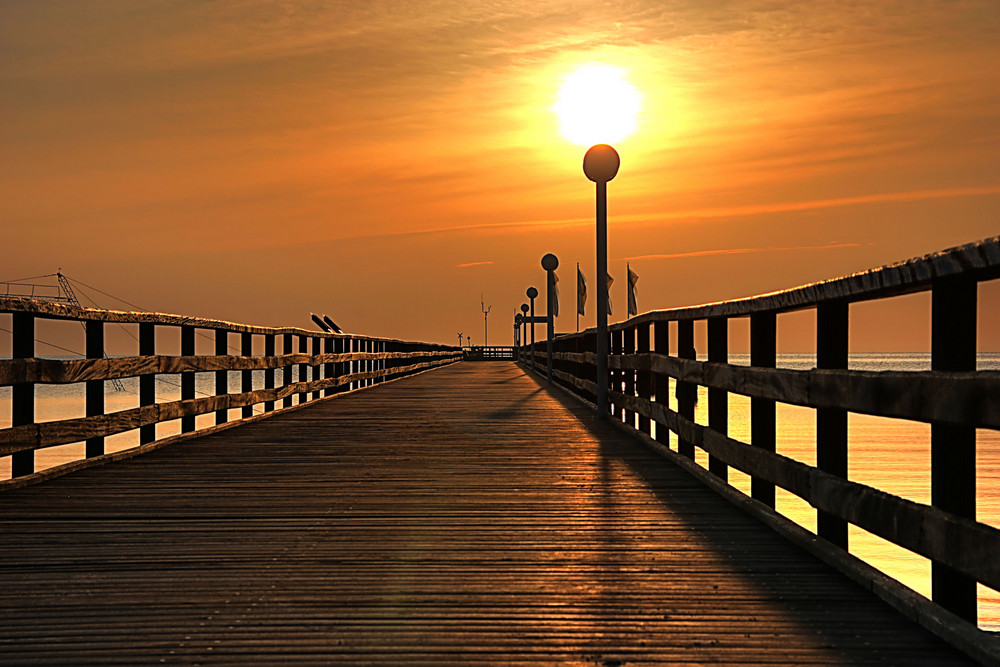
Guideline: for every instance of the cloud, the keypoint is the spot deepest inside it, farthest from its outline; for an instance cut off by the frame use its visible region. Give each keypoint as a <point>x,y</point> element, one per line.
<point>742,251</point>
<point>462,266</point>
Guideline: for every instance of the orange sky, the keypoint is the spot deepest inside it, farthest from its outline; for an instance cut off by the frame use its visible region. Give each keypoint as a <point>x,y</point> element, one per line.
<point>387,162</point>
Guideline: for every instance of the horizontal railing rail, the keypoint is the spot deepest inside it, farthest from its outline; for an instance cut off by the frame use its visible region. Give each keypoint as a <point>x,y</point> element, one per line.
<point>312,365</point>
<point>489,353</point>
<point>655,392</point>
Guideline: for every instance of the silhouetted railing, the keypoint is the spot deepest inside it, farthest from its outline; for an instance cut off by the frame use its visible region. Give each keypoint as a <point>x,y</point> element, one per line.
<point>488,353</point>
<point>322,364</point>
<point>953,397</point>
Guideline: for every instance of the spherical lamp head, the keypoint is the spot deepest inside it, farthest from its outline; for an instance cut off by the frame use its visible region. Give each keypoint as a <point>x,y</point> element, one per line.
<point>525,308</point>
<point>532,292</point>
<point>601,163</point>
<point>518,319</point>
<point>550,262</point>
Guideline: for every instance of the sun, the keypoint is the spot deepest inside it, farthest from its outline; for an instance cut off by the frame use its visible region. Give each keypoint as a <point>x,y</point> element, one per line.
<point>596,104</point>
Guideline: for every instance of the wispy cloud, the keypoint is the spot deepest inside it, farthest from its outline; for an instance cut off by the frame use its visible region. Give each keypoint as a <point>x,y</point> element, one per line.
<point>813,204</point>
<point>742,251</point>
<point>462,266</point>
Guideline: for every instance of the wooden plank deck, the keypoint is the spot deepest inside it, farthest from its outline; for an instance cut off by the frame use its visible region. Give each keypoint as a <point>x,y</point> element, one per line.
<point>465,515</point>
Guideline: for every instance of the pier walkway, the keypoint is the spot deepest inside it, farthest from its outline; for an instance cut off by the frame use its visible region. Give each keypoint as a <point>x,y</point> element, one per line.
<point>464,515</point>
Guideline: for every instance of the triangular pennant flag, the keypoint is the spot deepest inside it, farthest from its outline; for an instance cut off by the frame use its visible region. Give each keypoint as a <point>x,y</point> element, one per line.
<point>581,292</point>
<point>608,287</point>
<point>632,280</point>
<point>555,295</point>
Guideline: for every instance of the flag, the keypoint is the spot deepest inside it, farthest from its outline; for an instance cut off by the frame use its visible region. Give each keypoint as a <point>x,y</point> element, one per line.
<point>608,288</point>
<point>632,280</point>
<point>581,292</point>
<point>555,295</point>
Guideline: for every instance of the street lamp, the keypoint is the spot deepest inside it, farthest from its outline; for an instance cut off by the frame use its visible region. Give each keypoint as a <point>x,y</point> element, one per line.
<point>550,263</point>
<point>532,293</point>
<point>524,327</point>
<point>600,164</point>
<point>517,329</point>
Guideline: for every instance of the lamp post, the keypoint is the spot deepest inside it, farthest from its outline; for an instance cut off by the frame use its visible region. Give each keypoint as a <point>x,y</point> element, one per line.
<point>550,263</point>
<point>532,293</point>
<point>524,327</point>
<point>600,164</point>
<point>517,329</point>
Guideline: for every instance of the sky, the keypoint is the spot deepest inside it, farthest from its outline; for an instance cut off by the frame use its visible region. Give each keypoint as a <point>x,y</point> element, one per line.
<point>399,165</point>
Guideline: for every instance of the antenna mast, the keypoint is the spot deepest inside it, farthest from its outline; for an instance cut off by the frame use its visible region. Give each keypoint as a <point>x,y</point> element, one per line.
<point>486,314</point>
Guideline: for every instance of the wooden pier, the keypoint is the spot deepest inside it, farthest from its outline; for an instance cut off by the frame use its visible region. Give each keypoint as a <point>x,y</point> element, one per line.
<point>468,514</point>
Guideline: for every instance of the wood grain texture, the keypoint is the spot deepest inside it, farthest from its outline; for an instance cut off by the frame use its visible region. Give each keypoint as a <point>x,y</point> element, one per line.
<point>969,397</point>
<point>58,371</point>
<point>461,516</point>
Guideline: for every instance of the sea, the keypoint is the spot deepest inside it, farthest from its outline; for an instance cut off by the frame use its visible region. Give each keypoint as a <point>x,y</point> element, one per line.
<point>889,454</point>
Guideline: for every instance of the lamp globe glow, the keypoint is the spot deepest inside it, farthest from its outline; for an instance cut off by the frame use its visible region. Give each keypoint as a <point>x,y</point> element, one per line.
<point>601,163</point>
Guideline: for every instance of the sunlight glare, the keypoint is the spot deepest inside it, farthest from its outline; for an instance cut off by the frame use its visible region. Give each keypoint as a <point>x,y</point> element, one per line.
<point>596,104</point>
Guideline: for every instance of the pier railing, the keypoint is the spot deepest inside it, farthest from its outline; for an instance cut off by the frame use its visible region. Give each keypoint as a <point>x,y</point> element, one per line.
<point>953,397</point>
<point>313,365</point>
<point>489,353</point>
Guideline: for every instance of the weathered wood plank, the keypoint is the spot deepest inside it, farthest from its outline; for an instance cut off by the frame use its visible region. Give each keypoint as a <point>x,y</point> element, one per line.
<point>59,371</point>
<point>971,398</point>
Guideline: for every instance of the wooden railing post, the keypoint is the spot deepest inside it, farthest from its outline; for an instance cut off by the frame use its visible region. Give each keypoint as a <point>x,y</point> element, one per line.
<point>616,376</point>
<point>328,367</point>
<point>352,366</point>
<point>763,354</point>
<point>95,388</point>
<point>644,384</point>
<point>661,382</point>
<point>953,446</point>
<point>147,383</point>
<point>340,368</point>
<point>628,376</point>
<point>831,423</point>
<point>317,369</point>
<point>366,365</point>
<point>246,376</point>
<point>23,394</point>
<point>303,368</point>
<point>718,399</point>
<point>687,392</point>
<point>221,377</point>
<point>187,377</point>
<point>269,372</point>
<point>286,371</point>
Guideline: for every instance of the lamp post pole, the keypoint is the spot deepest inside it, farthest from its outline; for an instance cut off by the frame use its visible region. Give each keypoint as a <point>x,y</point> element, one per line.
<point>600,164</point>
<point>524,327</point>
<point>532,293</point>
<point>550,263</point>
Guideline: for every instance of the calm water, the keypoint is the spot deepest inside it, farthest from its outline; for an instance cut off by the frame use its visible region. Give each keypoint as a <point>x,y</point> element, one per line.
<point>889,454</point>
